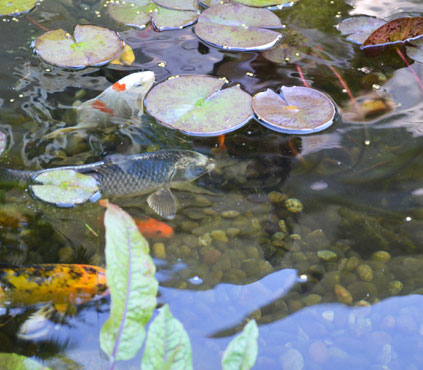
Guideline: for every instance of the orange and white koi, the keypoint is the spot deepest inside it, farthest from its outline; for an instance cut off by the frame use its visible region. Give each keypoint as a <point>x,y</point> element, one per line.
<point>59,284</point>
<point>122,101</point>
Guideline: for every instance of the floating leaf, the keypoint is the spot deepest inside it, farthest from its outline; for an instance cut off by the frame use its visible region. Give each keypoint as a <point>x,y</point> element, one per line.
<point>178,4</point>
<point>396,31</point>
<point>167,345</point>
<point>132,285</point>
<point>415,50</point>
<point>238,27</point>
<point>297,110</point>
<point>12,361</point>
<point>89,46</point>
<point>16,7</point>
<point>64,188</point>
<point>126,58</point>
<point>292,48</point>
<point>358,29</point>
<point>241,353</point>
<point>253,3</point>
<point>138,13</point>
<point>196,105</point>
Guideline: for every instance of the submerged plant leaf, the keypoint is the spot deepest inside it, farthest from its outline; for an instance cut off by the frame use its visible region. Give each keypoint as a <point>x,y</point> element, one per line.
<point>138,13</point>
<point>16,7</point>
<point>238,27</point>
<point>292,48</point>
<point>89,46</point>
<point>12,361</point>
<point>358,29</point>
<point>241,353</point>
<point>415,50</point>
<point>196,105</point>
<point>297,110</point>
<point>178,4</point>
<point>396,31</point>
<point>132,285</point>
<point>64,187</point>
<point>168,345</point>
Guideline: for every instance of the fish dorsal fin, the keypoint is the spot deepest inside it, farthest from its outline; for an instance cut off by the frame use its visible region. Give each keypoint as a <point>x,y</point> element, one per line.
<point>163,202</point>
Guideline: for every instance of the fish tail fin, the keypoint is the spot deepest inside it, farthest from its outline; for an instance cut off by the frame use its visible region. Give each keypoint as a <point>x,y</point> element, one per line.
<point>10,175</point>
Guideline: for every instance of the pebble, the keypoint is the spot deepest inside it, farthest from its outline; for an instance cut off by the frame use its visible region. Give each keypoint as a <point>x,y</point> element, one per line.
<point>230,214</point>
<point>342,294</point>
<point>312,299</point>
<point>277,197</point>
<point>292,360</point>
<point>365,272</point>
<point>282,227</point>
<point>395,287</point>
<point>205,240</point>
<point>327,255</point>
<point>232,232</point>
<point>212,256</point>
<point>219,235</point>
<point>352,263</point>
<point>294,205</point>
<point>65,254</point>
<point>201,201</point>
<point>159,250</point>
<point>381,256</point>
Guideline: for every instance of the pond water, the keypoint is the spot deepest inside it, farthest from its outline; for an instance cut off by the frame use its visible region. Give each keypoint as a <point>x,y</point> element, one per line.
<point>337,285</point>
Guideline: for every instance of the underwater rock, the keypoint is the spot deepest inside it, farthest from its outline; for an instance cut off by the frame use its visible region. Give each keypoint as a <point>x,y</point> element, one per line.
<point>327,255</point>
<point>159,250</point>
<point>365,272</point>
<point>294,205</point>
<point>343,295</point>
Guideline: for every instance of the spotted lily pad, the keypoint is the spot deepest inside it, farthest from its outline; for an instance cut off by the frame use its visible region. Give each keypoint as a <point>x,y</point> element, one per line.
<point>138,13</point>
<point>197,106</point>
<point>358,29</point>
<point>296,110</point>
<point>396,31</point>
<point>64,188</point>
<point>89,46</point>
<point>254,3</point>
<point>16,7</point>
<point>238,27</point>
<point>292,48</point>
<point>415,50</point>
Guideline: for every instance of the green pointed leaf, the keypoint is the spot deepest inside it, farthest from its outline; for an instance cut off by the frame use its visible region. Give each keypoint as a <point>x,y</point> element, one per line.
<point>241,353</point>
<point>12,361</point>
<point>195,105</point>
<point>16,7</point>
<point>296,110</point>
<point>89,46</point>
<point>132,285</point>
<point>64,187</point>
<point>167,345</point>
<point>238,27</point>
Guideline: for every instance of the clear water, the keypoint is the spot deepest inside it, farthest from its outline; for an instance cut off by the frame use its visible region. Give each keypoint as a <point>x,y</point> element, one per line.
<point>360,185</point>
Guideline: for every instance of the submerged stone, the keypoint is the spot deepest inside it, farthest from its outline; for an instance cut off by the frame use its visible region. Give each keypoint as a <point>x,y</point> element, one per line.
<point>294,205</point>
<point>327,255</point>
<point>343,295</point>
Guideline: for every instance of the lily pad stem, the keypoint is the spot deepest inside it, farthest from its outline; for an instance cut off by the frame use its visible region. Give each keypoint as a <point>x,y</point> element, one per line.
<point>416,76</point>
<point>305,83</point>
<point>36,23</point>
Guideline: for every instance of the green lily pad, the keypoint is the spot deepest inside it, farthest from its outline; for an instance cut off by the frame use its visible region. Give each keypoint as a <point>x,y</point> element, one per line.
<point>197,106</point>
<point>138,13</point>
<point>16,7</point>
<point>89,46</point>
<point>254,3</point>
<point>399,30</point>
<point>178,4</point>
<point>238,27</point>
<point>296,110</point>
<point>292,48</point>
<point>358,29</point>
<point>415,50</point>
<point>64,188</point>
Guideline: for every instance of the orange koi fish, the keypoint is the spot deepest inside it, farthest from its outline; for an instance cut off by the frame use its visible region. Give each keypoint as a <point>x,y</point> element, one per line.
<point>60,284</point>
<point>151,228</point>
<point>221,147</point>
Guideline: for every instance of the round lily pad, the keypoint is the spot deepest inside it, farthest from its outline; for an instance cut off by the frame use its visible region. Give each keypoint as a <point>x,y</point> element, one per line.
<point>178,4</point>
<point>16,7</point>
<point>296,110</point>
<point>415,50</point>
<point>238,27</point>
<point>64,188</point>
<point>254,3</point>
<point>358,29</point>
<point>89,46</point>
<point>138,13</point>
<point>197,106</point>
<point>292,48</point>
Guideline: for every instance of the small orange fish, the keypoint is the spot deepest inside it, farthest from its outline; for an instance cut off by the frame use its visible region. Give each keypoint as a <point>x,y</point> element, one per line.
<point>221,147</point>
<point>151,228</point>
<point>60,284</point>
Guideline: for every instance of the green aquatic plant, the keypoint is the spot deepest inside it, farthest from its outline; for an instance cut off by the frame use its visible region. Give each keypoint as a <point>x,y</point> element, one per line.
<point>88,46</point>
<point>12,361</point>
<point>16,7</point>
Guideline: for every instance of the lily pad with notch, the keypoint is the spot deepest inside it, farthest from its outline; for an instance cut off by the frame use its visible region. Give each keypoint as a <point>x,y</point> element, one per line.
<point>198,106</point>
<point>65,188</point>
<point>16,7</point>
<point>138,13</point>
<point>238,27</point>
<point>358,29</point>
<point>296,110</point>
<point>415,50</point>
<point>88,46</point>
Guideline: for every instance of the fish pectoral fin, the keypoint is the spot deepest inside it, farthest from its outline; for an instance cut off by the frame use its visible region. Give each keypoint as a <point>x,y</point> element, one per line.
<point>163,202</point>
